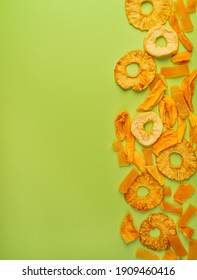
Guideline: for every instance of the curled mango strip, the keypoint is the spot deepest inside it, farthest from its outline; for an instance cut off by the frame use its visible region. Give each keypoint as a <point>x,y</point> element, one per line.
<point>181,58</point>
<point>177,246</point>
<point>166,140</point>
<point>169,255</point>
<point>146,255</point>
<point>190,212</point>
<point>184,16</point>
<point>175,71</point>
<point>183,192</point>
<point>193,129</point>
<point>169,112</point>
<point>192,252</point>
<point>187,231</point>
<point>172,208</point>
<point>139,161</point>
<point>128,180</point>
<point>173,20</point>
<point>155,95</point>
<point>191,6</point>
<point>181,128</point>
<point>127,230</point>
<point>147,152</point>
<point>180,102</point>
<point>187,88</point>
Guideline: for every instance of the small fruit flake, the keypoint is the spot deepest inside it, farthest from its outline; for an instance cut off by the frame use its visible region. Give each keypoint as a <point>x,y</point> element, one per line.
<point>181,58</point>
<point>127,230</point>
<point>183,192</point>
<point>146,255</point>
<point>187,231</point>
<point>128,181</point>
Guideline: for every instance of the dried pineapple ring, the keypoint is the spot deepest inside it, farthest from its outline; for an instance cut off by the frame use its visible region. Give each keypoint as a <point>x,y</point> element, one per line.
<point>187,167</point>
<point>167,228</point>
<point>160,12</point>
<point>138,130</point>
<point>153,198</point>
<point>145,75</point>
<point>170,36</point>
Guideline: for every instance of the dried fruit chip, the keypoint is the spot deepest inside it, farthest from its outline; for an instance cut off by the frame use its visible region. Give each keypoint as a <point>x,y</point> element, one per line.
<point>181,128</point>
<point>168,111</point>
<point>169,255</point>
<point>187,88</point>
<point>128,180</point>
<point>172,208</point>
<point>120,151</point>
<point>181,58</point>
<point>191,6</point>
<point>192,253</point>
<point>137,127</point>
<point>146,255</point>
<point>175,71</point>
<point>180,102</point>
<point>167,229</point>
<point>151,200</point>
<point>156,174</point>
<point>183,192</point>
<point>158,16</point>
<point>193,130</point>
<point>139,162</point>
<point>183,15</point>
<point>177,246</point>
<point>144,76</point>
<point>190,212</point>
<point>170,37</point>
<point>147,152</point>
<point>127,230</point>
<point>167,139</point>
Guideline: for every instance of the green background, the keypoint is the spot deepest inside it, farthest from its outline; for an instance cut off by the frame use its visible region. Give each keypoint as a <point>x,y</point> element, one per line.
<point>59,176</point>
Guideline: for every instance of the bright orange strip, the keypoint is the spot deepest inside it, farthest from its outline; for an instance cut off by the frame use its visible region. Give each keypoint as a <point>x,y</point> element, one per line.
<point>187,216</point>
<point>177,246</point>
<point>175,71</point>
<point>128,180</point>
<point>146,255</point>
<point>181,58</point>
<point>183,15</point>
<point>192,253</point>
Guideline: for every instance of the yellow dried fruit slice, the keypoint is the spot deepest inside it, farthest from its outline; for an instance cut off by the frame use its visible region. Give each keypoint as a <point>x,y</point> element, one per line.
<point>170,37</point>
<point>181,58</point>
<point>193,130</point>
<point>153,171</point>
<point>175,71</point>
<point>145,75</point>
<point>181,128</point>
<point>169,255</point>
<point>160,12</point>
<point>167,139</point>
<point>147,152</point>
<point>183,15</point>
<point>186,169</point>
<point>120,151</point>
<point>128,180</point>
<point>177,246</point>
<point>192,252</point>
<point>190,212</point>
<point>139,162</point>
<point>169,111</point>
<point>145,254</point>
<point>183,192</point>
<point>167,229</point>
<point>151,200</point>
<point>137,127</point>
<point>172,208</point>
<point>127,230</point>
<point>180,102</point>
<point>187,88</point>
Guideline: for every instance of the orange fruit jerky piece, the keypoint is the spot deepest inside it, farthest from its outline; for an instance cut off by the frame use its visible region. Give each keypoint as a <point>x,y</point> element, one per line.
<point>147,152</point>
<point>181,128</point>
<point>175,71</point>
<point>181,58</point>
<point>168,111</point>
<point>187,231</point>
<point>191,6</point>
<point>119,149</point>
<point>167,191</point>
<point>180,102</point>
<point>166,140</point>
<point>146,255</point>
<point>139,161</point>
<point>187,88</point>
<point>172,208</point>
<point>177,246</point>
<point>192,252</point>
<point>128,180</point>
<point>127,229</point>
<point>193,129</point>
<point>183,192</point>
<point>183,15</point>
<point>169,255</point>
<point>187,215</point>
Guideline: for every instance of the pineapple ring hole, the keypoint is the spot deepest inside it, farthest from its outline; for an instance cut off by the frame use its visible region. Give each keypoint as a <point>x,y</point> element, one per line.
<point>148,126</point>
<point>176,160</point>
<point>155,233</point>
<point>133,69</point>
<point>161,41</point>
<point>142,191</point>
<point>146,7</point>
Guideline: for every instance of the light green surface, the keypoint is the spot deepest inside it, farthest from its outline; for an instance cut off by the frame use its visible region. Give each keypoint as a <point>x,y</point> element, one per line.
<point>59,176</point>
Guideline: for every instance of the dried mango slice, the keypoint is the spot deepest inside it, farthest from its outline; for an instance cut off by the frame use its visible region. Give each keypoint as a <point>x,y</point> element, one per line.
<point>146,255</point>
<point>169,255</point>
<point>191,6</point>
<point>192,252</point>
<point>187,216</point>
<point>181,58</point>
<point>169,112</point>
<point>120,151</point>
<point>147,152</point>
<point>137,127</point>
<point>180,102</point>
<point>151,200</point>
<point>186,169</point>
<point>183,192</point>
<point>153,171</point>
<point>167,139</point>
<point>172,208</point>
<point>183,15</point>
<point>177,246</point>
<point>127,230</point>
<point>167,191</point>
<point>187,88</point>
<point>181,128</point>
<point>175,71</point>
<point>155,95</point>
<point>193,130</point>
<point>158,16</point>
<point>167,229</point>
<point>173,20</point>
<point>144,76</point>
<point>139,162</point>
<point>187,231</point>
<point>128,180</point>
<point>170,37</point>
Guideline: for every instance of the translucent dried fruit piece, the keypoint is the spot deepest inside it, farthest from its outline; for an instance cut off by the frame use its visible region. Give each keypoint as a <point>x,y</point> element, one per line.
<point>139,162</point>
<point>169,113</point>
<point>172,208</point>
<point>187,231</point>
<point>187,216</point>
<point>145,75</point>
<point>153,171</point>
<point>151,200</point>
<point>181,58</point>
<point>183,171</point>
<point>175,71</point>
<point>170,37</point>
<point>128,180</point>
<point>167,139</point>
<point>173,20</point>
<point>160,12</point>
<point>179,99</point>
<point>169,255</point>
<point>145,254</point>
<point>183,192</point>
<point>167,191</point>
<point>127,230</point>
<point>181,128</point>
<point>187,88</point>
<point>193,130</point>
<point>167,229</point>
<point>120,151</point>
<point>137,127</point>
<point>154,96</point>
<point>177,246</point>
<point>192,252</point>
<point>147,152</point>
<point>184,16</point>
